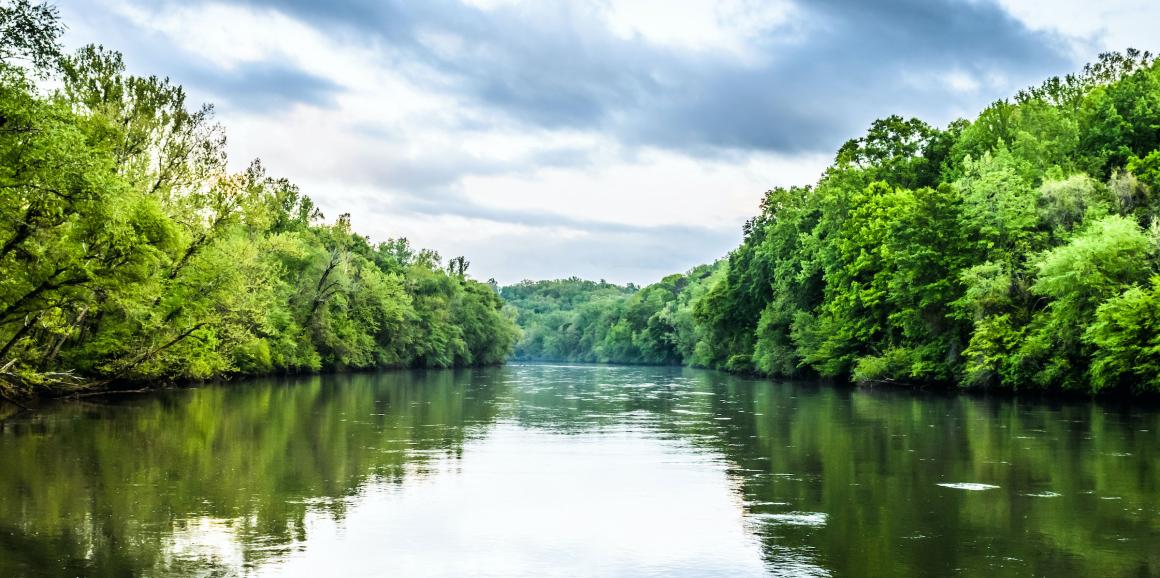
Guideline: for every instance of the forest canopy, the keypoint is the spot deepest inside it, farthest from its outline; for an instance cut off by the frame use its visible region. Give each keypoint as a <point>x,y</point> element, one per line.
<point>1019,250</point>
<point>130,251</point>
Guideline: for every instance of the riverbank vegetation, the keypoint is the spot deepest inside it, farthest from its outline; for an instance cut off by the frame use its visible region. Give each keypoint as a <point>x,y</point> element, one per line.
<point>129,251</point>
<point>1015,251</point>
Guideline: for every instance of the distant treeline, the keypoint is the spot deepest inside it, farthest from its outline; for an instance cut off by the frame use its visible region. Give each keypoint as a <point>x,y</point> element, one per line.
<point>1020,250</point>
<point>577,320</point>
<point>128,250</point>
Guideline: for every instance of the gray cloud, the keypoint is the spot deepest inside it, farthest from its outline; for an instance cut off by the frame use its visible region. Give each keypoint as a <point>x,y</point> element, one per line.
<point>823,77</point>
<point>264,87</point>
<point>435,174</point>
<point>456,205</point>
<point>252,87</point>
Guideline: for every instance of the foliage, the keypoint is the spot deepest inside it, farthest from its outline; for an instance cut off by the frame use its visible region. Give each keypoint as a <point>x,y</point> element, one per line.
<point>130,251</point>
<point>1012,251</point>
<point>577,320</point>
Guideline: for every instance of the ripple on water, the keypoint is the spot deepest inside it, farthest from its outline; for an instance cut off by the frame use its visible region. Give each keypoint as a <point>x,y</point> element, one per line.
<point>760,504</point>
<point>970,486</point>
<point>813,519</point>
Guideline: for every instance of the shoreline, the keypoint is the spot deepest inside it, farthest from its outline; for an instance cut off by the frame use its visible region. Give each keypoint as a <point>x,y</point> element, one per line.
<point>1112,400</point>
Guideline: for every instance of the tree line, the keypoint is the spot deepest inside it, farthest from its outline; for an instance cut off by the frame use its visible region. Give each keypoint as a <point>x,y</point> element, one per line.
<point>1019,250</point>
<point>573,319</point>
<point>130,251</point>
<point>585,321</point>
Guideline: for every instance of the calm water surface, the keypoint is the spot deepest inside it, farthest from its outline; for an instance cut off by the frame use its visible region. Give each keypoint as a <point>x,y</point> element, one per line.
<point>540,470</point>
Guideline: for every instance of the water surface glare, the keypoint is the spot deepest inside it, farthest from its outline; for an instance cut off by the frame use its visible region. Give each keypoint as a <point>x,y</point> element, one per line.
<point>558,470</point>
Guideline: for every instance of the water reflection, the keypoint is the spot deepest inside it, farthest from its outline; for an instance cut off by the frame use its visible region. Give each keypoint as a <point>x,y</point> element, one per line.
<point>565,470</point>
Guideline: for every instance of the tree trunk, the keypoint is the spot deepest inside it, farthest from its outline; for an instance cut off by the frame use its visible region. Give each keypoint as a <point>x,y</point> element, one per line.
<point>20,333</point>
<point>60,342</point>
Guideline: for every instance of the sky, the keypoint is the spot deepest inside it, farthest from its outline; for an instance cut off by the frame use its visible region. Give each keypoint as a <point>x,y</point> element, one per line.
<point>608,139</point>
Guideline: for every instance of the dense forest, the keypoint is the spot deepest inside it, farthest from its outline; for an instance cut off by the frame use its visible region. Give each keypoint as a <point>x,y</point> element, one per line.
<point>577,320</point>
<point>130,252</point>
<point>1020,250</point>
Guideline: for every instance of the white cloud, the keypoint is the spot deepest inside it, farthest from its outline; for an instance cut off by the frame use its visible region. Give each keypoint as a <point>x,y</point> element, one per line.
<point>1093,26</point>
<point>226,35</point>
<point>653,188</point>
<point>715,25</point>
<point>961,81</point>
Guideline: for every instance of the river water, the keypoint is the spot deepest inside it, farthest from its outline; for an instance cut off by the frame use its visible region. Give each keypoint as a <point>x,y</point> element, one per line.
<point>554,470</point>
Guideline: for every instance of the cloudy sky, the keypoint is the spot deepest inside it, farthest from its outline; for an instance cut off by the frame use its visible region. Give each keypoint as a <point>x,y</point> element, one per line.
<point>616,139</point>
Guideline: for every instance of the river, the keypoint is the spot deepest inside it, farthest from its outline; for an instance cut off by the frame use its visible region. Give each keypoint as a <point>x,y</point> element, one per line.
<point>562,470</point>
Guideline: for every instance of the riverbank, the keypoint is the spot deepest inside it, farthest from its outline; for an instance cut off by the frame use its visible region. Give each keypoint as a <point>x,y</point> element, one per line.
<point>1118,394</point>
<point>102,387</point>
